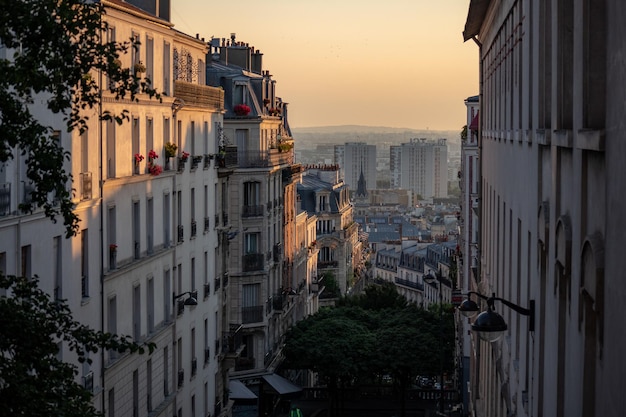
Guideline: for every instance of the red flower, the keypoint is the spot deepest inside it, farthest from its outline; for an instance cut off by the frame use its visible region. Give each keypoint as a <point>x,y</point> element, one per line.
<point>185,155</point>
<point>152,155</point>
<point>138,158</point>
<point>155,169</point>
<point>241,110</point>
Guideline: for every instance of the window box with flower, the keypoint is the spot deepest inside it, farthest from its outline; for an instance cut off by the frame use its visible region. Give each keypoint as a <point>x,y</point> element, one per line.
<point>184,156</point>
<point>242,109</point>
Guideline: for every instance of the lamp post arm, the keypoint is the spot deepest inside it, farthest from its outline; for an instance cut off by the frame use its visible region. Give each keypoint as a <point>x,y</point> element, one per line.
<point>530,311</point>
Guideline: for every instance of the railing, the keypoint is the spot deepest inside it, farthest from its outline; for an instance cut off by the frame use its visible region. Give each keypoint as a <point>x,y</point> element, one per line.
<point>252,314</point>
<point>194,228</point>
<point>207,289</point>
<point>224,219</point>
<point>181,233</point>
<point>278,302</point>
<point>252,211</point>
<point>86,186</point>
<point>201,95</point>
<point>181,377</point>
<point>207,355</point>
<point>327,264</point>
<point>27,198</point>
<point>218,283</point>
<point>194,366</point>
<point>195,161</point>
<point>206,224</point>
<point>264,159</point>
<point>252,262</point>
<point>278,250</point>
<point>410,284</point>
<point>5,199</point>
<point>232,339</point>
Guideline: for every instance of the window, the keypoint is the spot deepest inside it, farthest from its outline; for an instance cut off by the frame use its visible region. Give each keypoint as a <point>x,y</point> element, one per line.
<point>136,228</point>
<point>252,193</point>
<point>84,263</point>
<point>166,221</point>
<point>150,225</point>
<point>135,144</point>
<point>149,385</point>
<point>110,144</point>
<point>58,270</point>
<point>251,243</point>
<point>150,300</point>
<point>112,402</point>
<point>112,323</point>
<point>135,393</point>
<point>193,274</point>
<point>150,59</point>
<point>149,138</point>
<point>193,352</point>
<point>166,371</point>
<point>167,291</point>
<point>166,72</point>
<point>137,313</point>
<point>84,152</point>
<point>25,269</point>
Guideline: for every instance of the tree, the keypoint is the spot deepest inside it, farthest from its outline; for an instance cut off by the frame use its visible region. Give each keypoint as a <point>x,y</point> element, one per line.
<point>33,380</point>
<point>374,334</point>
<point>57,45</point>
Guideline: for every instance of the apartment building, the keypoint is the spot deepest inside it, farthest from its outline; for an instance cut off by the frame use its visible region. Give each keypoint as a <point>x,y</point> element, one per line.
<point>551,143</point>
<point>270,276</point>
<point>147,255</point>
<point>469,180</point>
<point>323,194</point>
<point>354,159</point>
<point>421,166</point>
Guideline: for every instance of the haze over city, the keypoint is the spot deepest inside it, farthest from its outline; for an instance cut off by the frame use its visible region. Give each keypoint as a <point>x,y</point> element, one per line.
<point>402,64</point>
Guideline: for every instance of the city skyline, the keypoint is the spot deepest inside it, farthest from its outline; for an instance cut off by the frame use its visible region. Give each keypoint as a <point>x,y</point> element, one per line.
<point>403,65</point>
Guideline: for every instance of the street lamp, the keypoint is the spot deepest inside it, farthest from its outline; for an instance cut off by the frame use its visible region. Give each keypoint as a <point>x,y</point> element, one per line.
<point>490,325</point>
<point>192,300</point>
<point>431,279</point>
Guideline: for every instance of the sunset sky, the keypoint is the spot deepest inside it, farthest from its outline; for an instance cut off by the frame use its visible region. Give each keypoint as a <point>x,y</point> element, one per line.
<point>398,63</point>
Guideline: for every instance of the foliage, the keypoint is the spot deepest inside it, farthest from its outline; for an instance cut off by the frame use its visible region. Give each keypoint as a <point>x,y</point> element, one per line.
<point>34,380</point>
<point>331,287</point>
<point>377,297</point>
<point>170,149</point>
<point>56,46</point>
<point>464,132</point>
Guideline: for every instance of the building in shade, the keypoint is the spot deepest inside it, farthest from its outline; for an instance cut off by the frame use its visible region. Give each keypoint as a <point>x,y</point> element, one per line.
<point>421,166</point>
<point>355,158</point>
<point>552,177</point>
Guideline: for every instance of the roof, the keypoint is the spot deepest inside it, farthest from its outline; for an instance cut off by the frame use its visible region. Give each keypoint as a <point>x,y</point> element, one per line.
<point>475,17</point>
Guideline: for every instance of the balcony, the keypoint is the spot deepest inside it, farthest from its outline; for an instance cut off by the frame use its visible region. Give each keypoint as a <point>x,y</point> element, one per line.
<point>327,264</point>
<point>410,284</point>
<point>85,186</point>
<point>252,211</point>
<point>207,355</point>
<point>195,161</point>
<point>232,340</point>
<point>207,290</point>
<point>5,199</point>
<point>194,366</point>
<point>277,251</point>
<point>252,262</point>
<point>264,159</point>
<point>199,95</point>
<point>244,364</point>
<point>278,302</point>
<point>194,228</point>
<point>181,377</point>
<point>181,233</point>
<point>206,224</point>
<point>207,161</point>
<point>218,283</point>
<point>252,314</point>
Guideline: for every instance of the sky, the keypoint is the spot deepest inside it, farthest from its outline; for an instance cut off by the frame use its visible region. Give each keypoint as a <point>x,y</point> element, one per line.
<point>392,63</point>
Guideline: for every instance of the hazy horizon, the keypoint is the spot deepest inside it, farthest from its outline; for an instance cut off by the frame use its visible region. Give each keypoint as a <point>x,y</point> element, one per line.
<point>400,64</point>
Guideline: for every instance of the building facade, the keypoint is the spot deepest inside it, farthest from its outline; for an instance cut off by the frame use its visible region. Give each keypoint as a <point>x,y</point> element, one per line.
<point>270,275</point>
<point>552,179</point>
<point>421,166</point>
<point>355,158</point>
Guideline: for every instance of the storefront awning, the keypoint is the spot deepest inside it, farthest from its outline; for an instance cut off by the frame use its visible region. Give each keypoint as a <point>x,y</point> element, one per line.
<point>281,385</point>
<point>239,391</point>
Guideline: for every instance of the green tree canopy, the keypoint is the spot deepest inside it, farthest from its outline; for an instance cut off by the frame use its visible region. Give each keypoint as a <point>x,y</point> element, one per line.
<point>34,381</point>
<point>54,49</point>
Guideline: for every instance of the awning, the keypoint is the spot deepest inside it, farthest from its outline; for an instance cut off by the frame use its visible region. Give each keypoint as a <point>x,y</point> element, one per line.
<point>474,124</point>
<point>281,385</point>
<point>239,391</point>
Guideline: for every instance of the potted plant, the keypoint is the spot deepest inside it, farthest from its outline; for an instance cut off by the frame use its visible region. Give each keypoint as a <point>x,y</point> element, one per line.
<point>139,67</point>
<point>241,110</point>
<point>184,156</point>
<point>138,158</point>
<point>170,149</point>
